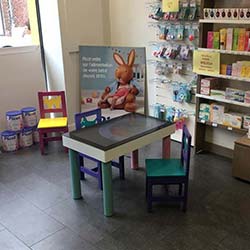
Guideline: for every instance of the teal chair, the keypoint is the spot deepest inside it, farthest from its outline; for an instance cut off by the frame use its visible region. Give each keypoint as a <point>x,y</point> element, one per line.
<point>170,172</point>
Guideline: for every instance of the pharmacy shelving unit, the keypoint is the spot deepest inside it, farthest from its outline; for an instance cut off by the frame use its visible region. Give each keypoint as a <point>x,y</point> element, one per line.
<point>207,132</point>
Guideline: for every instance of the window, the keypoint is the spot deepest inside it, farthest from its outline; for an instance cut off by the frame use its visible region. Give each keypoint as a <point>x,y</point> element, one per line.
<point>18,23</point>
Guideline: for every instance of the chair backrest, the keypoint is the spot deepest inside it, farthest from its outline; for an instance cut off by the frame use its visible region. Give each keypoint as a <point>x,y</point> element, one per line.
<point>89,118</point>
<point>52,102</point>
<point>186,149</point>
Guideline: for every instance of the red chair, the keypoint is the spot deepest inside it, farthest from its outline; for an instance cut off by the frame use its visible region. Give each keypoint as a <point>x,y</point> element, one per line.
<point>51,126</point>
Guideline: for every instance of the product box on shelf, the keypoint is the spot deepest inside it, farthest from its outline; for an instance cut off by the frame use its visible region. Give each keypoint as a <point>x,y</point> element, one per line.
<point>235,94</point>
<point>207,84</point>
<point>210,39</point>
<point>218,93</point>
<point>216,40</point>
<point>241,39</point>
<point>246,121</point>
<point>229,42</point>
<point>223,69</point>
<point>235,38</point>
<point>247,97</point>
<point>247,40</point>
<point>223,38</point>
<point>216,113</point>
<point>204,112</point>
<point>233,120</point>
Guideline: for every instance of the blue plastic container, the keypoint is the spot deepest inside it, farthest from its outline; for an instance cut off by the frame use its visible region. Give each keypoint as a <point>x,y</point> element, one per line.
<point>29,116</point>
<point>14,120</point>
<point>9,140</point>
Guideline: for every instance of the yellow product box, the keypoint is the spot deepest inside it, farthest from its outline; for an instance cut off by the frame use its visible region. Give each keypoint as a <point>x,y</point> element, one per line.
<point>232,120</point>
<point>223,69</point>
<point>241,39</point>
<point>244,68</point>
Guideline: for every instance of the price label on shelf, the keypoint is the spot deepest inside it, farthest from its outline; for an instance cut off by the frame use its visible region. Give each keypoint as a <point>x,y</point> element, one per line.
<point>229,128</point>
<point>203,121</point>
<point>215,125</point>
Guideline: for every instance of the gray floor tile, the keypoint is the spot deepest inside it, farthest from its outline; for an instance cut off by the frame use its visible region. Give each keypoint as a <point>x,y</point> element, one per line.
<point>10,242</point>
<point>37,190</point>
<point>37,208</point>
<point>63,240</point>
<point>27,222</point>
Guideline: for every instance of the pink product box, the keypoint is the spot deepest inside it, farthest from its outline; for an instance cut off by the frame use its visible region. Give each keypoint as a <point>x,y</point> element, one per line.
<point>205,90</point>
<point>210,39</point>
<point>208,82</point>
<point>247,100</point>
<point>247,94</point>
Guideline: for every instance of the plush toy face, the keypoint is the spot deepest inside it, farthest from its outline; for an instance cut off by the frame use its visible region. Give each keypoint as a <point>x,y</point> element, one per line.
<point>124,74</point>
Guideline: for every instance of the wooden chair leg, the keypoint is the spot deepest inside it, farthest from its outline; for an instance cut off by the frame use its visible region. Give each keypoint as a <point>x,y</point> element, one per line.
<point>184,208</point>
<point>121,168</point>
<point>180,190</point>
<point>81,161</point>
<point>99,175</point>
<point>149,196</point>
<point>41,143</point>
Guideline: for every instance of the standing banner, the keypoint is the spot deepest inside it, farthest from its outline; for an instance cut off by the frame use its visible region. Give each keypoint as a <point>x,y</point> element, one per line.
<point>112,78</point>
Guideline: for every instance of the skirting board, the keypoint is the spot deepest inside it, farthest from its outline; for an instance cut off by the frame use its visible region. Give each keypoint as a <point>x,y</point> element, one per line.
<point>218,150</point>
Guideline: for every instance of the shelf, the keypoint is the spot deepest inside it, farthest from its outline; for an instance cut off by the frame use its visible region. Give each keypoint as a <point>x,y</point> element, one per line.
<point>236,78</point>
<point>229,52</point>
<point>215,125</point>
<point>214,98</point>
<point>225,21</point>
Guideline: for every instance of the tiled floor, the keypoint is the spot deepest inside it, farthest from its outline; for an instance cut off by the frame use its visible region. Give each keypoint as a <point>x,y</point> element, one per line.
<point>37,212</point>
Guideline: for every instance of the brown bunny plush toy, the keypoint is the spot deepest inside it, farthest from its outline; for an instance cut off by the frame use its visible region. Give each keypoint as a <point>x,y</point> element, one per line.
<point>124,96</point>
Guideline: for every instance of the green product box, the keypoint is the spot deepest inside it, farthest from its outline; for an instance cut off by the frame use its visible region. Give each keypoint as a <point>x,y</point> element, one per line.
<point>216,42</point>
<point>236,38</point>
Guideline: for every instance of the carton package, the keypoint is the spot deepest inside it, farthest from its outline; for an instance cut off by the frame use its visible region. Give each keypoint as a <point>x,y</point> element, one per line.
<point>236,38</point>
<point>229,42</point>
<point>207,84</point>
<point>204,107</point>
<point>210,39</point>
<point>247,41</point>
<point>241,39</point>
<point>204,116</point>
<point>232,120</point>
<point>246,121</point>
<point>218,93</point>
<point>216,40</point>
<point>235,94</point>
<point>216,113</point>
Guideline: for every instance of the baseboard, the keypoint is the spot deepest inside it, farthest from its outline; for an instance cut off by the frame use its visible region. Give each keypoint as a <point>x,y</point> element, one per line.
<point>218,150</point>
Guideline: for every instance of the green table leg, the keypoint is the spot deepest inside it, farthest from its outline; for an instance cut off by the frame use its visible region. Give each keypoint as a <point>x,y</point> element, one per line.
<point>75,174</point>
<point>107,188</point>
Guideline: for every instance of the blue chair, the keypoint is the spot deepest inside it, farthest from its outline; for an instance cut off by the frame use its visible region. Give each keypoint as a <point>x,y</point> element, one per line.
<point>170,172</point>
<point>87,119</point>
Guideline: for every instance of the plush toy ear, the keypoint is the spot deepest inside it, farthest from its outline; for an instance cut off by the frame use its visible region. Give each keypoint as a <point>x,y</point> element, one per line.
<point>118,59</point>
<point>131,58</point>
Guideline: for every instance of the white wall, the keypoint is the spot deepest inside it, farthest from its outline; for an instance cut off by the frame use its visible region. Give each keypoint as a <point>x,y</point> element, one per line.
<point>21,77</point>
<point>52,44</point>
<point>81,23</point>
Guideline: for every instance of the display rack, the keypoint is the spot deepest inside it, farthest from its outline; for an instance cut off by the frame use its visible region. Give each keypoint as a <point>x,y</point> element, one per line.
<point>206,131</point>
<point>164,85</point>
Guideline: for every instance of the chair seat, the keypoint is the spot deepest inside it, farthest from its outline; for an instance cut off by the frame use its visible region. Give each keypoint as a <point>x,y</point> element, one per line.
<point>53,122</point>
<point>164,167</point>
